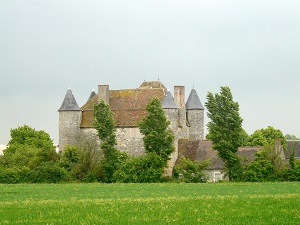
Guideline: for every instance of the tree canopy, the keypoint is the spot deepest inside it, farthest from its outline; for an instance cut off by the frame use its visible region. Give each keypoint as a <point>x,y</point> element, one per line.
<point>155,126</point>
<point>266,136</point>
<point>225,126</point>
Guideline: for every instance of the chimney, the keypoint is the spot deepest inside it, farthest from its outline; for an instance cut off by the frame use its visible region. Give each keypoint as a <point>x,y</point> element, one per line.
<point>103,93</point>
<point>179,95</point>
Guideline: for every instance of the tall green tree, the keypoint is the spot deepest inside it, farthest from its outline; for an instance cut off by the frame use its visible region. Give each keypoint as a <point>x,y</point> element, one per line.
<point>158,137</point>
<point>104,125</point>
<point>225,127</point>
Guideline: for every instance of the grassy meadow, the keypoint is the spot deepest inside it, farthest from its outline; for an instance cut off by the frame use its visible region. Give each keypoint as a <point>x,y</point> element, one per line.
<point>163,203</point>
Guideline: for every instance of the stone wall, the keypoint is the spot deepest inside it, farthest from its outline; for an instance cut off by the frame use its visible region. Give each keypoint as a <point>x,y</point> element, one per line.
<point>130,140</point>
<point>69,128</point>
<point>196,124</point>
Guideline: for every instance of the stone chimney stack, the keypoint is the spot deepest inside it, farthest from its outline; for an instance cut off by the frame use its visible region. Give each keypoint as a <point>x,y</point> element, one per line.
<point>103,93</point>
<point>179,96</point>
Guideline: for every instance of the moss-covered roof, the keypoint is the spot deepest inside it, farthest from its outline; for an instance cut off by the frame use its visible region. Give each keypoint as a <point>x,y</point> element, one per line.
<point>128,106</point>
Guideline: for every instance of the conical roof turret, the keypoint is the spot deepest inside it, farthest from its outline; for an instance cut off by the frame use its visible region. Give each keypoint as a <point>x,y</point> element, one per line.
<point>93,93</point>
<point>69,103</point>
<point>168,102</point>
<point>193,101</point>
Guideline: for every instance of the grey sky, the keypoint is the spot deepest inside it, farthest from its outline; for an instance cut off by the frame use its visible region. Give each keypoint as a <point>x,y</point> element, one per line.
<point>251,46</point>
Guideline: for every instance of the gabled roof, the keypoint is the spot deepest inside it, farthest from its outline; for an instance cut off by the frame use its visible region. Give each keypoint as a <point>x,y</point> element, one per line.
<point>69,103</point>
<point>93,93</point>
<point>128,106</point>
<point>193,101</point>
<point>168,102</point>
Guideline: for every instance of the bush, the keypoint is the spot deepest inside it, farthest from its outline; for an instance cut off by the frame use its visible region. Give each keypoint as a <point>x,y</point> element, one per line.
<point>49,173</point>
<point>9,175</point>
<point>143,169</point>
<point>191,171</point>
<point>291,174</point>
<point>259,170</point>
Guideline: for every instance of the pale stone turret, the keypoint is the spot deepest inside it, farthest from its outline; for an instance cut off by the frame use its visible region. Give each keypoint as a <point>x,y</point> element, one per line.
<point>172,113</point>
<point>195,116</point>
<point>69,121</point>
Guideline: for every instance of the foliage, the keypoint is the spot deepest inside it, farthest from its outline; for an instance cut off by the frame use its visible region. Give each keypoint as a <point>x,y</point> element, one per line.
<point>266,166</point>
<point>244,138</point>
<point>163,203</point>
<point>69,157</point>
<point>30,157</point>
<point>291,174</point>
<point>155,126</point>
<point>143,169</point>
<point>104,125</point>
<point>191,171</point>
<point>266,136</point>
<point>225,127</point>
<point>291,137</point>
<point>259,170</point>
<point>27,136</point>
<point>82,161</point>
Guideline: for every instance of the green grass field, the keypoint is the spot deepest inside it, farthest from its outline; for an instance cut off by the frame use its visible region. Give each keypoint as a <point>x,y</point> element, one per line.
<point>166,203</point>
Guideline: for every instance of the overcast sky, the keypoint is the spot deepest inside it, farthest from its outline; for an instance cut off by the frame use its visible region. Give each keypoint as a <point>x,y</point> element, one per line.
<point>251,46</point>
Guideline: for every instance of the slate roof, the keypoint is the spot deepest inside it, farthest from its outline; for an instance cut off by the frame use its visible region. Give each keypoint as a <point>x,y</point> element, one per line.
<point>193,101</point>
<point>93,93</point>
<point>128,106</point>
<point>69,103</point>
<point>168,102</point>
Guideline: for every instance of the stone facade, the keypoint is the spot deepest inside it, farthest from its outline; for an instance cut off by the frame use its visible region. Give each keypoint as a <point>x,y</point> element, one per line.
<point>129,107</point>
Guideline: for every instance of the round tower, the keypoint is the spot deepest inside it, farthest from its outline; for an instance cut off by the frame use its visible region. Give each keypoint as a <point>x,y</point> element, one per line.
<point>172,114</point>
<point>69,121</point>
<point>195,116</point>
<point>171,111</point>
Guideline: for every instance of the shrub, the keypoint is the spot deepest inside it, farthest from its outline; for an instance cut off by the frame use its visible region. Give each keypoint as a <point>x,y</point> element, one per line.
<point>143,169</point>
<point>9,175</point>
<point>191,171</point>
<point>259,170</point>
<point>49,173</point>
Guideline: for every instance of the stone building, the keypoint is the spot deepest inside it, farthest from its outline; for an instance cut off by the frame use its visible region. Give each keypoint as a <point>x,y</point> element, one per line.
<point>129,107</point>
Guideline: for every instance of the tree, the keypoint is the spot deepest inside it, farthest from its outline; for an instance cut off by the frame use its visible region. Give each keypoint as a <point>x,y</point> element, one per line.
<point>266,136</point>
<point>291,137</point>
<point>147,168</point>
<point>158,137</point>
<point>81,161</point>
<point>225,127</point>
<point>104,125</point>
<point>191,171</point>
<point>266,166</point>
<point>25,138</point>
<point>31,157</point>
